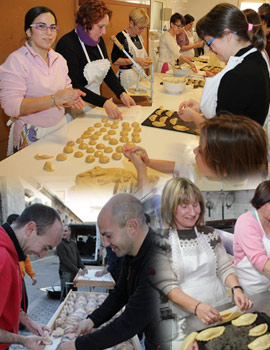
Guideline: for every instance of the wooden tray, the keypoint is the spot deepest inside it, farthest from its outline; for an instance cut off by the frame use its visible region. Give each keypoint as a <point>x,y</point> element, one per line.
<point>106,282</point>
<point>192,128</point>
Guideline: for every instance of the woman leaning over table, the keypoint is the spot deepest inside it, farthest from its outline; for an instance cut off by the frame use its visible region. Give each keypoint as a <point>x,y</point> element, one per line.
<point>252,243</point>
<point>87,57</point>
<point>169,51</point>
<point>34,83</point>
<point>242,87</point>
<point>192,266</point>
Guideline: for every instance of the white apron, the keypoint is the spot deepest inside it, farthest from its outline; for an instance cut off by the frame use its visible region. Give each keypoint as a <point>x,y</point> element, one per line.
<point>128,77</point>
<point>194,263</point>
<point>252,280</point>
<point>209,96</point>
<point>191,52</point>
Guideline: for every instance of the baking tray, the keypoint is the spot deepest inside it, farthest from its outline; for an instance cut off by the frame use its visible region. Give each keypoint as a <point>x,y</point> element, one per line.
<point>234,338</point>
<point>210,68</point>
<point>192,128</point>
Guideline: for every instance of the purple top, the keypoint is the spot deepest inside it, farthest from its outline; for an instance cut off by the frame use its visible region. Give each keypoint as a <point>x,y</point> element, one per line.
<point>85,38</point>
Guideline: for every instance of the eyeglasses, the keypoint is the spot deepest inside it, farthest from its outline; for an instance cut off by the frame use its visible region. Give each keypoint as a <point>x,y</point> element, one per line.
<point>179,25</point>
<point>208,43</point>
<point>44,27</point>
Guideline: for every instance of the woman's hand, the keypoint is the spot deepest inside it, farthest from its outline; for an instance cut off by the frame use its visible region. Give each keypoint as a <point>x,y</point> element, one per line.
<point>112,110</point>
<point>198,44</point>
<point>127,100</point>
<point>68,97</point>
<point>187,114</point>
<point>241,300</point>
<point>128,152</point>
<point>143,62</point>
<point>207,314</point>
<point>190,104</point>
<point>193,67</point>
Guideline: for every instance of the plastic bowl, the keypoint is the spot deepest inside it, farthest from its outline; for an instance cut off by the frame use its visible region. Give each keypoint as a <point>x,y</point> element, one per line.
<point>174,85</point>
<point>178,72</point>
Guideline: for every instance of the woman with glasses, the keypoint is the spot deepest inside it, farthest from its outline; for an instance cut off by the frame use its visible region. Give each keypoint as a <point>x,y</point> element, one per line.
<point>242,87</point>
<point>87,58</point>
<point>34,83</point>
<point>169,51</point>
<point>252,243</point>
<point>132,41</point>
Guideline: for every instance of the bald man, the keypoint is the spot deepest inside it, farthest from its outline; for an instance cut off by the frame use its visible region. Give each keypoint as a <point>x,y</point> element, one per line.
<point>37,230</point>
<point>123,227</point>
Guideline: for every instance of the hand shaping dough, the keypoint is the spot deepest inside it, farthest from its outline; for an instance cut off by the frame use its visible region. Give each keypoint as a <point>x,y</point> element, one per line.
<point>48,340</point>
<point>42,156</point>
<point>78,154</point>
<point>90,159</point>
<point>48,167</point>
<point>61,156</point>
<point>104,159</point>
<point>116,156</point>
<point>58,332</point>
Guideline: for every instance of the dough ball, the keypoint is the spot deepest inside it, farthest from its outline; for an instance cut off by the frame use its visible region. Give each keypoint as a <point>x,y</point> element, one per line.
<point>68,149</point>
<point>71,143</point>
<point>116,156</point>
<point>104,159</point>
<point>135,134</point>
<point>90,129</point>
<point>126,128</point>
<point>134,124</point>
<point>79,140</point>
<point>92,142</point>
<point>86,135</point>
<point>107,125</point>
<point>98,133</point>
<point>108,149</point>
<point>116,121</point>
<point>113,141</point>
<point>58,332</point>
<point>103,129</point>
<point>83,146</point>
<point>100,146</point>
<point>90,150</point>
<point>111,132</point>
<point>104,120</point>
<point>90,158</point>
<point>106,137</point>
<point>125,124</point>
<point>61,156</point>
<point>94,137</point>
<point>98,154</point>
<point>114,126</point>
<point>137,129</point>
<point>78,154</point>
<point>97,125</point>
<point>130,144</point>
<point>124,139</point>
<point>136,139</point>
<point>124,133</point>
<point>119,149</point>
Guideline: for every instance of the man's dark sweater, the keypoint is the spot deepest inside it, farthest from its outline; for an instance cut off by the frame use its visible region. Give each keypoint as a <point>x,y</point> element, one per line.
<point>69,256</point>
<point>133,291</point>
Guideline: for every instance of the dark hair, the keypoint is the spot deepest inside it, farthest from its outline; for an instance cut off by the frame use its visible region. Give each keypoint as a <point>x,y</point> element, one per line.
<point>261,195</point>
<point>257,33</point>
<point>266,19</point>
<point>263,9</point>
<point>189,18</point>
<point>226,16</point>
<point>234,146</point>
<point>33,13</point>
<point>91,12</point>
<point>12,217</point>
<point>177,17</point>
<point>41,214</point>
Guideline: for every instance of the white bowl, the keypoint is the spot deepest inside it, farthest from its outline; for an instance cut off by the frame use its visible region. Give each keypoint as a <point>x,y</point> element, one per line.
<point>178,72</point>
<point>174,85</point>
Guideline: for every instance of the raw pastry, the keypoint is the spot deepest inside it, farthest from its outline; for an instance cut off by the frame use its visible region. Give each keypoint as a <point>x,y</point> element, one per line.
<point>78,154</point>
<point>68,149</point>
<point>229,315</point>
<point>98,154</point>
<point>159,111</point>
<point>48,167</point>
<point>113,141</point>
<point>153,117</point>
<point>106,137</point>
<point>42,156</point>
<point>123,139</point>
<point>159,124</point>
<point>135,134</point>
<point>90,150</point>
<point>260,343</point>
<point>125,124</point>
<point>135,124</point>
<point>137,129</point>
<point>97,125</point>
<point>108,149</point>
<point>61,156</point>
<point>86,135</point>
<point>100,146</point>
<point>163,119</point>
<point>116,121</point>
<point>114,126</point>
<point>98,133</point>
<point>119,149</point>
<point>95,137</point>
<point>123,133</point>
<point>111,132</point>
<point>48,340</point>
<point>79,140</point>
<point>136,139</point>
<point>188,340</point>
<point>130,144</point>
<point>258,330</point>
<point>173,121</point>
<point>83,146</point>
<point>103,129</point>
<point>210,333</point>
<point>104,120</point>
<point>180,127</point>
<point>116,156</point>
<point>126,128</point>
<point>90,159</point>
<point>107,125</point>
<point>245,320</point>
<point>169,113</point>
<point>92,142</point>
<point>104,159</point>
<point>71,143</point>
<point>58,332</point>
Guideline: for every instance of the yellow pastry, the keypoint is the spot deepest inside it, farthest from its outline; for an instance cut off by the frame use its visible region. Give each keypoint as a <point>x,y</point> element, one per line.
<point>106,137</point>
<point>98,133</point>
<point>135,124</point>
<point>100,146</point>
<point>261,343</point>
<point>97,125</point>
<point>92,142</point>
<point>104,159</point>
<point>125,124</point>
<point>111,132</point>
<point>136,139</point>
<point>86,135</point>
<point>210,333</point>
<point>159,111</point>
<point>173,121</point>
<point>71,143</point>
<point>229,315</point>
<point>107,125</point>
<point>90,129</point>
<point>108,149</point>
<point>42,156</point>
<point>130,144</point>
<point>78,154</point>
<point>83,146</point>
<point>94,137</point>
<point>103,129</point>
<point>169,113</point>
<point>116,121</point>
<point>79,140</point>
<point>163,119</point>
<point>90,150</point>
<point>159,124</point>
<point>116,156</point>
<point>123,133</point>
<point>61,157</point>
<point>90,158</point>
<point>180,127</point>
<point>98,154</point>
<point>119,149</point>
<point>137,129</point>
<point>153,117</point>
<point>104,120</point>
<point>135,134</point>
<point>113,141</point>
<point>48,167</point>
<point>258,330</point>
<point>245,320</point>
<point>114,126</point>
<point>68,149</point>
<point>123,139</point>
<point>188,340</point>
<point>126,128</point>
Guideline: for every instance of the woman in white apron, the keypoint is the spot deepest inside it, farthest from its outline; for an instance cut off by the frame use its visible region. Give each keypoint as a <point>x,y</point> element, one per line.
<point>34,83</point>
<point>197,268</point>
<point>87,58</point>
<point>242,87</point>
<point>132,41</point>
<point>252,243</point>
<point>186,39</point>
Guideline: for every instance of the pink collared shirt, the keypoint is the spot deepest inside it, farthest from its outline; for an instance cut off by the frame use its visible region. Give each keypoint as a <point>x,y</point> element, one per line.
<point>26,74</point>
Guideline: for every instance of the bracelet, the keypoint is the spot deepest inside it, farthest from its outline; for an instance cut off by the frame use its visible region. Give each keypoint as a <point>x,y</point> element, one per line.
<point>237,287</point>
<point>53,100</point>
<point>195,310</point>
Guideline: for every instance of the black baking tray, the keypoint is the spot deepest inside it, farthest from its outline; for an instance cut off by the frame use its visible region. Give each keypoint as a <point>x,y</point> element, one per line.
<point>192,128</point>
<point>234,338</point>
<point>210,68</point>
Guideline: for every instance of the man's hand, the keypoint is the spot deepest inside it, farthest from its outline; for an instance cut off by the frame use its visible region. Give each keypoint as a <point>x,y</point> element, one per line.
<point>70,345</point>
<point>83,327</point>
<point>37,328</point>
<point>101,273</point>
<point>34,343</point>
<point>34,280</point>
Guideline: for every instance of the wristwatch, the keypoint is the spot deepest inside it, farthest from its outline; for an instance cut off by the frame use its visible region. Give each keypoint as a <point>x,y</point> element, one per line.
<point>236,287</point>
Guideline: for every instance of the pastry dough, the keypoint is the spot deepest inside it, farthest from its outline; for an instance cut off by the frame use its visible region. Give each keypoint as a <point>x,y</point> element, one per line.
<point>135,134</point>
<point>114,126</point>
<point>78,154</point>
<point>108,149</point>
<point>90,159</point>
<point>111,132</point>
<point>180,127</point>
<point>107,125</point>
<point>210,333</point>
<point>79,140</point>
<point>90,150</point>
<point>94,137</point>
<point>130,144</point>
<point>83,146</point>
<point>61,157</point>
<point>159,111</point>
<point>116,156</point>
<point>123,139</point>
<point>229,315</point>
<point>136,139</point>
<point>153,117</point>
<point>113,141</point>
<point>106,137</point>
<point>135,124</point>
<point>123,133</point>
<point>104,159</point>
<point>169,113</point>
<point>71,143</point>
<point>100,146</point>
<point>104,120</point>
<point>103,129</point>
<point>58,332</point>
<point>48,340</point>
<point>159,124</point>
<point>116,121</point>
<point>245,320</point>
<point>98,133</point>
<point>68,149</point>
<point>125,124</point>
<point>173,121</point>
<point>92,142</point>
<point>261,343</point>
<point>258,330</point>
<point>42,156</point>
<point>188,340</point>
<point>163,119</point>
<point>86,135</point>
<point>126,128</point>
<point>48,167</point>
<point>90,129</point>
<point>97,125</point>
<point>119,149</point>
<point>98,154</point>
<point>137,129</point>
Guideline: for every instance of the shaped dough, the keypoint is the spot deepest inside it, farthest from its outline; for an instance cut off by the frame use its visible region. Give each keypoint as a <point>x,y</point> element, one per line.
<point>210,333</point>
<point>113,141</point>
<point>83,146</point>
<point>98,154</point>
<point>261,343</point>
<point>48,340</point>
<point>159,111</point>
<point>61,156</point>
<point>71,143</point>
<point>173,121</point>
<point>163,119</point>
<point>136,139</point>
<point>108,149</point>
<point>119,149</point>
<point>100,146</point>
<point>104,159</point>
<point>126,128</point>
<point>135,124</point>
<point>111,132</point>
<point>92,142</point>
<point>135,134</point>
<point>229,315</point>
<point>103,129</point>
<point>94,137</point>
<point>116,156</point>
<point>68,149</point>
<point>98,133</point>
<point>180,127</point>
<point>58,332</point>
<point>137,129</point>
<point>106,137</point>
<point>159,124</point>
<point>104,120</point>
<point>188,340</point>
<point>90,150</point>
<point>114,126</point>
<point>245,320</point>
<point>258,330</point>
<point>48,167</point>
<point>42,156</point>
<point>116,121</point>
<point>79,140</point>
<point>97,125</point>
<point>78,154</point>
<point>125,124</point>
<point>90,129</point>
<point>169,113</point>
<point>130,144</point>
<point>153,117</point>
<point>86,135</point>
<point>107,125</point>
<point>123,133</point>
<point>123,139</point>
<point>90,159</point>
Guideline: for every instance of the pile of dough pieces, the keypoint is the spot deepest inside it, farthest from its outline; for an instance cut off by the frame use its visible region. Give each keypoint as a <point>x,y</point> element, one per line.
<point>99,142</point>
<point>75,309</point>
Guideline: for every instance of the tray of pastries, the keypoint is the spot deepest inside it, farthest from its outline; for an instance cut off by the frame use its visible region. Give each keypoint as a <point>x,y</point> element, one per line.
<point>169,119</point>
<point>212,69</point>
